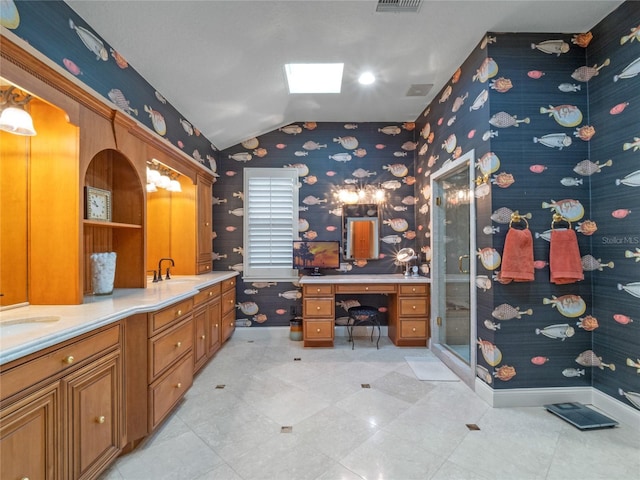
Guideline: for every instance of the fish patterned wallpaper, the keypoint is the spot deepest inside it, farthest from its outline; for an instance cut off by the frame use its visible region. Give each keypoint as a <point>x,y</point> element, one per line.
<point>56,31</point>
<point>553,121</point>
<point>327,156</point>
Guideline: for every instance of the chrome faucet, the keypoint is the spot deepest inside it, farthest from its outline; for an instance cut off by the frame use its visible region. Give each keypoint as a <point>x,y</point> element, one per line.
<point>173,264</point>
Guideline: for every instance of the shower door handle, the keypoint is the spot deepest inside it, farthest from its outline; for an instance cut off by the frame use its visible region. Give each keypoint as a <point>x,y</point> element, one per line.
<point>460,258</point>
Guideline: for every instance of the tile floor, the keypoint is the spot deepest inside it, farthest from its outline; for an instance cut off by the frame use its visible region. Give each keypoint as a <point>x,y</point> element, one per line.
<point>398,429</point>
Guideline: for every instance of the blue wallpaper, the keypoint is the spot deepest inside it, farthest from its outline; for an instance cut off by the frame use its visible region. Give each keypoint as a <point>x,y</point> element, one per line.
<point>328,156</point>
<point>550,119</point>
<point>55,30</point>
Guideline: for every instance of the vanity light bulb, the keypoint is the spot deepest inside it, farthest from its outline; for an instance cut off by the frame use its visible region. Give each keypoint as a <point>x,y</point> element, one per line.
<point>153,176</point>
<point>151,187</point>
<point>174,186</point>
<point>163,181</point>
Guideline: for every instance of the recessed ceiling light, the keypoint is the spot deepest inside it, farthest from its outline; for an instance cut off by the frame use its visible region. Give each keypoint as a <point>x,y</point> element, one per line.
<point>314,77</point>
<point>367,78</point>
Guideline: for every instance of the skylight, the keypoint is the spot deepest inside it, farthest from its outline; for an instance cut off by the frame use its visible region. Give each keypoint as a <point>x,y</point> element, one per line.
<point>314,77</point>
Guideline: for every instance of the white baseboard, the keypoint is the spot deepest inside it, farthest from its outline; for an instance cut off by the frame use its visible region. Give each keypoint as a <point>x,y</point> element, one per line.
<point>537,397</point>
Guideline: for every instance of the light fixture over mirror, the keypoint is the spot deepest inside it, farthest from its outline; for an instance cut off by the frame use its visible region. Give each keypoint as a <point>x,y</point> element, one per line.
<point>14,118</point>
<point>368,193</point>
<point>161,176</point>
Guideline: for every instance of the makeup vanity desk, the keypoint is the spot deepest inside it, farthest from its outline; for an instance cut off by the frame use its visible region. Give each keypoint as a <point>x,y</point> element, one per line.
<point>408,305</point>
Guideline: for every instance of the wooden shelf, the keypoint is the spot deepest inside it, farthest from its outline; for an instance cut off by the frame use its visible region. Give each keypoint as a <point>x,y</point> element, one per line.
<point>99,223</point>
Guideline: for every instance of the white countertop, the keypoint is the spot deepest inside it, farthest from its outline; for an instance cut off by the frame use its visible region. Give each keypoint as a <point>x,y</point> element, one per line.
<point>371,278</point>
<point>20,339</point>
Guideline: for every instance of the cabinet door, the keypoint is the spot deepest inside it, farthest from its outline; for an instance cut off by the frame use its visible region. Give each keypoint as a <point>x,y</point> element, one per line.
<point>215,326</point>
<point>201,340</point>
<point>29,437</point>
<point>204,225</point>
<point>92,417</point>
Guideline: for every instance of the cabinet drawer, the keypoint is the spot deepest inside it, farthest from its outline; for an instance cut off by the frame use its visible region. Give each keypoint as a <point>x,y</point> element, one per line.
<point>413,306</point>
<point>413,329</point>
<point>169,346</point>
<point>414,289</point>
<point>228,284</point>
<point>32,372</point>
<point>166,392</point>
<point>204,267</point>
<point>318,330</point>
<point>318,307</point>
<point>228,325</point>
<point>228,301</point>
<point>207,294</point>
<point>164,317</point>
<point>366,288</point>
<point>317,290</point>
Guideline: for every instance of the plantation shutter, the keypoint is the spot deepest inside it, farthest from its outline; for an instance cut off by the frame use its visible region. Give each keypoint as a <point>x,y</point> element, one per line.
<point>270,223</point>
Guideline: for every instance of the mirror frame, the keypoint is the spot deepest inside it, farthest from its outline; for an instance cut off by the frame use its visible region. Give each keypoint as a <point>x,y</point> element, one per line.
<point>359,213</point>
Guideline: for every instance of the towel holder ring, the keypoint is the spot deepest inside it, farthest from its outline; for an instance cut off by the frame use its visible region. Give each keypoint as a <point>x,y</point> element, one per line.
<point>517,218</point>
<point>557,218</point>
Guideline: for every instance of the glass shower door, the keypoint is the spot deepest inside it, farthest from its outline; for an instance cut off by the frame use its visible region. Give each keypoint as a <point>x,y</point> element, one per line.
<point>453,263</point>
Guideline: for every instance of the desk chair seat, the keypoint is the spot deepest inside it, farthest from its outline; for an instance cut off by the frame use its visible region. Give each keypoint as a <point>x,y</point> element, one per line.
<point>361,315</point>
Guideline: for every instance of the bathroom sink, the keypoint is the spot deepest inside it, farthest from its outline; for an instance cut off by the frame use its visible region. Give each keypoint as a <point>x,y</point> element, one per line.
<point>14,326</point>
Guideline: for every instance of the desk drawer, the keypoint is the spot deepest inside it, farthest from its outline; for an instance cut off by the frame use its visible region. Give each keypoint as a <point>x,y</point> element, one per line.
<point>414,289</point>
<point>207,293</point>
<point>411,306</point>
<point>228,301</point>
<point>228,284</point>
<point>317,290</point>
<point>165,393</point>
<point>318,307</point>
<point>366,288</point>
<point>318,330</point>
<point>169,346</point>
<point>413,329</point>
<point>30,373</point>
<point>167,315</point>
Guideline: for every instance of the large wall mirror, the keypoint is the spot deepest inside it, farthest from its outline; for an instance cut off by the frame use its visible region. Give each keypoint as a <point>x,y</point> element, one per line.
<point>360,228</point>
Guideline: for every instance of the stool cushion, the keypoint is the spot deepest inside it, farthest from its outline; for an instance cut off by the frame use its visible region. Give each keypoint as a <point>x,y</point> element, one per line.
<point>363,313</point>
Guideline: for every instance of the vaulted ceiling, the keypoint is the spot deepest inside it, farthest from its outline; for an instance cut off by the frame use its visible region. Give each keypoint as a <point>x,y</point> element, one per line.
<point>220,63</point>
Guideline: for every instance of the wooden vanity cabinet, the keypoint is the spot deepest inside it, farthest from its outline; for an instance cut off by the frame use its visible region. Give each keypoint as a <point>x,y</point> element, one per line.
<point>61,409</point>
<point>318,311</point>
<point>207,328</point>
<point>204,224</point>
<point>170,358</point>
<point>228,308</point>
<point>409,315</point>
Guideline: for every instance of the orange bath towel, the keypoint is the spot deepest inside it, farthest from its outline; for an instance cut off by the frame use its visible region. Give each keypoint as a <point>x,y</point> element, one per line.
<point>565,263</point>
<point>517,256</point>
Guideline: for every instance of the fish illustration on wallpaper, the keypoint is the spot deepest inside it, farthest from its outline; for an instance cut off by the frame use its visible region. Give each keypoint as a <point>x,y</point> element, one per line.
<point>188,128</point>
<point>117,97</point>
<point>539,360</point>
<point>300,153</point>
<point>620,213</point>
<point>571,182</point>
<point>360,152</point>
<point>397,169</point>
<point>482,190</point>
<point>341,157</point>
<point>303,225</point>
<point>483,374</point>
<point>588,358</point>
<point>491,353</point>
<point>554,140</point>
<point>302,168</point>
<point>586,73</point>
<point>552,47</point>
<point>570,209</point>
<point>400,154</point>
<point>565,115</point>
<point>509,312</point>
<point>390,130</point>
<point>445,94</point>
<point>634,35</point>
<point>585,132</point>
<point>362,173</point>
<point>480,100</point>
<point>483,282</point>
<point>503,180</point>
<point>291,129</point>
<point>635,145</point>
<point>588,323</point>
<point>587,167</point>
<point>251,143</point>
<point>9,15</point>
<point>457,103</point>
<point>91,41</point>
<point>503,215</point>
<point>632,364</point>
<point>629,71</point>
<point>311,145</point>
<point>71,66</point>
<point>582,39</point>
<point>119,59</point>
<point>631,288</point>
<point>535,74</point>
<point>505,120</point>
<point>559,331</point>
<point>501,85</point>
<point>573,372</point>
<point>157,120</point>
<point>241,157</point>
<point>631,180</point>
<point>590,263</point>
<point>632,254</point>
<point>489,134</point>
<point>571,306</point>
<point>450,143</point>
<point>397,224</point>
<point>391,239</point>
<point>632,397</point>
<point>505,373</point>
<point>488,163</point>
<point>568,87</point>
<point>349,142</point>
<point>488,69</point>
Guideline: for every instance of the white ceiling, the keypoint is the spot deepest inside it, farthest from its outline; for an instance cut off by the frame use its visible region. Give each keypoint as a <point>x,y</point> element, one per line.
<point>220,62</point>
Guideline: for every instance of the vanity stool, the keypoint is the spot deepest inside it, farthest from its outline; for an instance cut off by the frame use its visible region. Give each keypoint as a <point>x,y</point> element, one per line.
<point>360,315</point>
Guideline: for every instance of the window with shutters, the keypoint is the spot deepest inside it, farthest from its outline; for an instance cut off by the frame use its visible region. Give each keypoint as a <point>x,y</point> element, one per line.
<point>270,223</point>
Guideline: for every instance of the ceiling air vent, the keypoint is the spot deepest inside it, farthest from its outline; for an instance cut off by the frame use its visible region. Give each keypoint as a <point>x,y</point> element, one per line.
<point>398,6</point>
<point>419,89</point>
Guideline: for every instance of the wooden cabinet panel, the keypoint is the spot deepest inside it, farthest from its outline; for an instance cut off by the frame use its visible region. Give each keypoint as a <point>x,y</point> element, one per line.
<point>228,325</point>
<point>318,307</point>
<point>207,294</point>
<point>318,333</point>
<point>413,329</point>
<point>228,301</point>
<point>317,290</point>
<point>200,338</point>
<point>229,284</point>
<point>165,393</point>
<point>93,409</point>
<point>204,224</point>
<point>415,289</point>
<point>30,437</point>
<point>215,327</point>
<point>409,306</point>
<point>170,314</point>
<point>166,348</point>
<point>366,288</point>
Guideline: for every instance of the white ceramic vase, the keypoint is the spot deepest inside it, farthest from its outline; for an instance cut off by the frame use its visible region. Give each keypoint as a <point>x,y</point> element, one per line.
<point>103,272</point>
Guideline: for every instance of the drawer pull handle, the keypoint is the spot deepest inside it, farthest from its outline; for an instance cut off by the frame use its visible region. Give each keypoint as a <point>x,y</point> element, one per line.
<point>366,289</point>
<point>318,308</point>
<point>207,267</point>
<point>317,330</point>
<point>179,385</point>
<point>318,290</point>
<point>69,360</point>
<point>206,224</point>
<point>178,313</point>
<point>178,345</point>
<point>232,284</point>
<point>231,324</point>
<point>413,329</point>
<point>413,289</point>
<point>210,294</point>
<point>216,325</point>
<point>24,478</point>
<point>203,337</point>
<point>100,419</point>
<point>414,307</point>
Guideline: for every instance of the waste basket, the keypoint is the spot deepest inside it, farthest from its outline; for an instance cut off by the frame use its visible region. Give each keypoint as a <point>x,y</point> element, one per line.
<point>296,329</point>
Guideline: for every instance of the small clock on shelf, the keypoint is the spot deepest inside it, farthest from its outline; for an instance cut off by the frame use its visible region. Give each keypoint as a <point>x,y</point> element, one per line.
<point>98,204</point>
